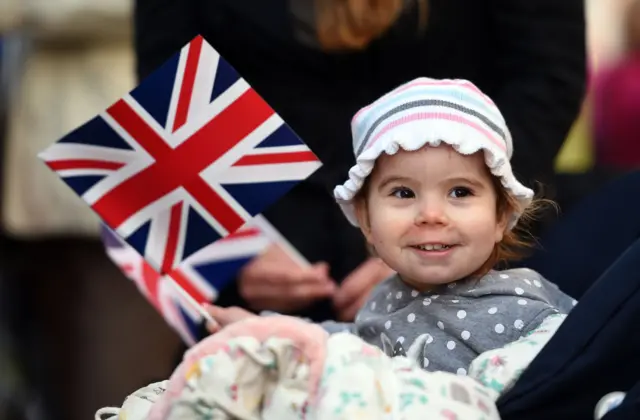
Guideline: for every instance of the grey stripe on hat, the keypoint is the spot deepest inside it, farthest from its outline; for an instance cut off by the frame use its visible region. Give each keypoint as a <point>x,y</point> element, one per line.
<point>430,102</point>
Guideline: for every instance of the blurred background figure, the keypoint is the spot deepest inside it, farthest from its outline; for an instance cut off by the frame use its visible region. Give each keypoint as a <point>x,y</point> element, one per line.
<point>73,329</point>
<point>598,148</point>
<point>616,103</point>
<point>14,399</point>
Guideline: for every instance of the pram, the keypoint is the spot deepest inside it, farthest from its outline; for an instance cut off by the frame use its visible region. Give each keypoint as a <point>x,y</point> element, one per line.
<point>594,352</point>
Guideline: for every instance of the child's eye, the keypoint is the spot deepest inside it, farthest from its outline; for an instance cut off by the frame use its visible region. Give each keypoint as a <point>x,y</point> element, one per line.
<point>460,192</point>
<point>402,192</point>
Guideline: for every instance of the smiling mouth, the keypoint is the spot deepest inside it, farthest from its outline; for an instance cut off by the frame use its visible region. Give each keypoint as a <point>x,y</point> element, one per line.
<point>433,247</point>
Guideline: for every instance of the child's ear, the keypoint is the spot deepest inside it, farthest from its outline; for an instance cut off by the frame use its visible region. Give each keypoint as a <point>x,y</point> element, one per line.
<point>501,225</point>
<point>362,214</point>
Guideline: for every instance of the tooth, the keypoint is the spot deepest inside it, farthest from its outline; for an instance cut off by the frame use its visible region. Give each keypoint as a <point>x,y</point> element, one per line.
<point>433,247</point>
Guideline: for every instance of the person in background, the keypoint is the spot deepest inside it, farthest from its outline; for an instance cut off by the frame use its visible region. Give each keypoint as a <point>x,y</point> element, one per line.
<point>616,104</point>
<point>615,127</point>
<point>317,62</point>
<point>63,63</point>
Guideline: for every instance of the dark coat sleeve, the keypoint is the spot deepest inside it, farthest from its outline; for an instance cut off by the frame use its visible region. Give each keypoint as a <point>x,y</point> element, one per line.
<point>541,70</point>
<point>161,29</point>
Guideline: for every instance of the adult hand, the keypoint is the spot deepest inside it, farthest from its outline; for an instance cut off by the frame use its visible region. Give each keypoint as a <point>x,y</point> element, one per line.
<point>357,286</point>
<point>273,281</point>
<point>225,316</point>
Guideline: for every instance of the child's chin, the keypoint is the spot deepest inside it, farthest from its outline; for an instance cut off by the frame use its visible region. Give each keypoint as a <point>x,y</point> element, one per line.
<point>426,281</point>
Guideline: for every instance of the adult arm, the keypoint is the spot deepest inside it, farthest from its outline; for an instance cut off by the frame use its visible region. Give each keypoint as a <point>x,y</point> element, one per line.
<point>540,72</point>
<point>161,29</point>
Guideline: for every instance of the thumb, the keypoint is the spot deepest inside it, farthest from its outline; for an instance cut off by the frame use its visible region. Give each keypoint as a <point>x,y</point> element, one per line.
<point>223,316</point>
<point>321,270</point>
<point>216,313</point>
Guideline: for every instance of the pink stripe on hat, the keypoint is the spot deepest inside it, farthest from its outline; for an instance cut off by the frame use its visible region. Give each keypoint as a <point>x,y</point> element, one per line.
<point>422,82</point>
<point>436,116</point>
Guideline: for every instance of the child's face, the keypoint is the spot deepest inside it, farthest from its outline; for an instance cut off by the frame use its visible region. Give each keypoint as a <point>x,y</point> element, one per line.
<point>431,214</point>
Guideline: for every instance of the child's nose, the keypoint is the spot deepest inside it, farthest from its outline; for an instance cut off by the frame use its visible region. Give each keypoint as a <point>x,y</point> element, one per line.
<point>431,213</point>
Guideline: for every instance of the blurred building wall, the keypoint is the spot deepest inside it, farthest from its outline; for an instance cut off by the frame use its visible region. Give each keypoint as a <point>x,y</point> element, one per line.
<point>76,60</point>
<point>87,337</point>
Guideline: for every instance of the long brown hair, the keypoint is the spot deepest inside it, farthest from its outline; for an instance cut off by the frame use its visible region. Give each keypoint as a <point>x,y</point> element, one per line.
<point>632,26</point>
<point>518,242</point>
<point>353,24</point>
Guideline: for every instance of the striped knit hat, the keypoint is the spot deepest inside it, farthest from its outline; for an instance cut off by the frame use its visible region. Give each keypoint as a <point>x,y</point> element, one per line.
<point>428,112</point>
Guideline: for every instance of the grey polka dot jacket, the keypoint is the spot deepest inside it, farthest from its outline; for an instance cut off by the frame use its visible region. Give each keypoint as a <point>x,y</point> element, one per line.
<point>450,326</point>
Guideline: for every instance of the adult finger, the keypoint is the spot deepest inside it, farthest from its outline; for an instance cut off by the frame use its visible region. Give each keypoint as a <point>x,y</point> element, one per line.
<point>349,314</point>
<point>272,278</point>
<point>226,316</point>
<point>310,289</point>
<point>359,283</point>
<point>353,287</point>
<point>212,327</point>
<point>321,269</point>
<point>276,274</point>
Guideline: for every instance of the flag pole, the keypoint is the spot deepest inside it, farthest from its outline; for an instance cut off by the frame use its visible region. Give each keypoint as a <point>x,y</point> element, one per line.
<point>197,306</point>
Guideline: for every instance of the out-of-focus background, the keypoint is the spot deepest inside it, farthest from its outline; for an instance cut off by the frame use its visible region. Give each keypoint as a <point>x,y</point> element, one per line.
<point>74,333</point>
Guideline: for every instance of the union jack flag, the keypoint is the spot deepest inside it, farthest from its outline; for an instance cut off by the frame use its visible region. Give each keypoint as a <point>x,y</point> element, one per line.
<point>201,275</point>
<point>184,159</point>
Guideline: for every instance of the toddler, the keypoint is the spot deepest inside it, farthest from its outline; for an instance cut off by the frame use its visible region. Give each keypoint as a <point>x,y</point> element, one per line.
<point>437,201</point>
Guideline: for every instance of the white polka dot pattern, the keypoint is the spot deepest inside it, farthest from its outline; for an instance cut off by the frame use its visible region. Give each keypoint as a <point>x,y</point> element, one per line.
<point>445,330</point>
